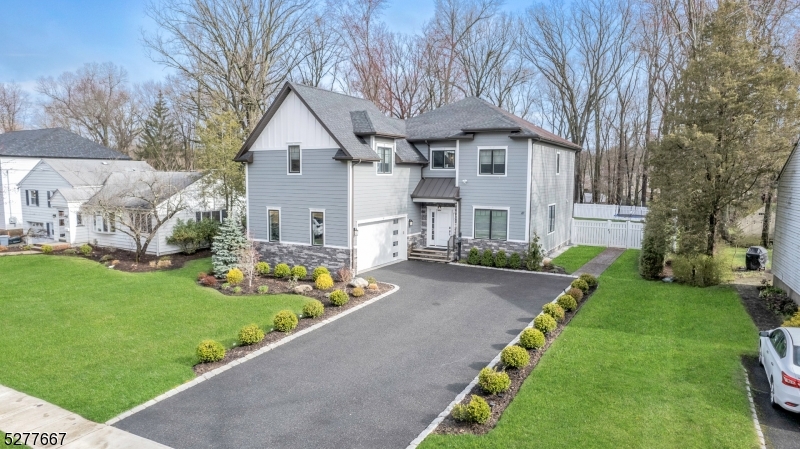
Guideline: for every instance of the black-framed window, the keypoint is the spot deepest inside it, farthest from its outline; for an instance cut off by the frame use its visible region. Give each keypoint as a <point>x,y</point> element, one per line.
<point>274,216</point>
<point>294,158</point>
<point>443,159</point>
<point>385,164</point>
<point>32,198</point>
<point>491,224</point>
<point>551,218</point>
<point>492,162</point>
<point>317,228</point>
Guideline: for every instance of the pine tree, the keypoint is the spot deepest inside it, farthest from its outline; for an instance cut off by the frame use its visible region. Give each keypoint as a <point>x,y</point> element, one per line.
<point>735,113</point>
<point>227,246</point>
<point>159,143</point>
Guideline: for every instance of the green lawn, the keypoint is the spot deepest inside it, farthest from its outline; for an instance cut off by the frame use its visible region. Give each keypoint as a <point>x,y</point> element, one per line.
<point>99,342</point>
<point>644,364</point>
<point>577,256</point>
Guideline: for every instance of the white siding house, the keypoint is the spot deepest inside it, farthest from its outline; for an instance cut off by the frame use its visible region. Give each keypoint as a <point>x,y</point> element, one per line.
<point>786,249</point>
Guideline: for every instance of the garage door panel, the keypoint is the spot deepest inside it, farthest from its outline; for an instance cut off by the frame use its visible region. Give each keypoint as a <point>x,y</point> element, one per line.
<point>380,243</point>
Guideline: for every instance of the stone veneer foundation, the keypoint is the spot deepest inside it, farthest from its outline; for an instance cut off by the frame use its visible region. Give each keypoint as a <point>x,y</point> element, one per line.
<point>307,256</point>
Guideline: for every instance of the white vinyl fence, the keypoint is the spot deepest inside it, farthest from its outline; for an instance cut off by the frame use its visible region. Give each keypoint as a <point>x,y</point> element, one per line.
<point>609,212</point>
<point>618,234</point>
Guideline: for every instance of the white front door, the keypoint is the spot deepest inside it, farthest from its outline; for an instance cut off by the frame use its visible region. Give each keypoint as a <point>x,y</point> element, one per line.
<point>440,225</point>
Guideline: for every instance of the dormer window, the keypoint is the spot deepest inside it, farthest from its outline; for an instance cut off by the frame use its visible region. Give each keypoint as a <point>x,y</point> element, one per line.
<point>385,163</point>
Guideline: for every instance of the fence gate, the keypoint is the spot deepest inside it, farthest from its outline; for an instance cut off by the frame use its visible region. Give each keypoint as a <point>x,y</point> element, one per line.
<point>617,234</point>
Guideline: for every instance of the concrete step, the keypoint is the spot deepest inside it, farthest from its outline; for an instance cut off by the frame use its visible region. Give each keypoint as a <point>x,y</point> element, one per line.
<point>428,259</point>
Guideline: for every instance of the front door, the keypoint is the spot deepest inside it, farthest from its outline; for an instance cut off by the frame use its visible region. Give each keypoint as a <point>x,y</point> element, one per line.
<point>440,226</point>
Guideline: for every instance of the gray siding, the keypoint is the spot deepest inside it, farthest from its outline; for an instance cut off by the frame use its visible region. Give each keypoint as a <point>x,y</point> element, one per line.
<point>786,250</point>
<point>323,185</point>
<point>438,173</point>
<point>548,187</point>
<point>508,191</point>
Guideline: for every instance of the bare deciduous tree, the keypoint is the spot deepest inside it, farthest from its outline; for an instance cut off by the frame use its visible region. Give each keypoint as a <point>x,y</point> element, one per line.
<point>14,105</point>
<point>248,258</point>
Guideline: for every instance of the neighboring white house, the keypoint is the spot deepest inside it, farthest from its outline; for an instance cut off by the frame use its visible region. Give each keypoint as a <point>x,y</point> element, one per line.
<point>786,249</point>
<point>69,201</point>
<point>20,151</point>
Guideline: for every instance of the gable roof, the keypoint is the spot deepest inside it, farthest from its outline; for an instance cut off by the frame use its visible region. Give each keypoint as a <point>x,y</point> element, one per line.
<point>138,190</point>
<point>86,173</point>
<point>76,195</point>
<point>54,143</point>
<point>470,115</point>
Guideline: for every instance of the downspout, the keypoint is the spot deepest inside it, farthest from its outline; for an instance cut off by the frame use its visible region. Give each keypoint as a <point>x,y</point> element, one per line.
<point>353,211</point>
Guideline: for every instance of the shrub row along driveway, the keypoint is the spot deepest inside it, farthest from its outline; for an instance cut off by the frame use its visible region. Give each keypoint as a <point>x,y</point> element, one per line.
<point>375,378</point>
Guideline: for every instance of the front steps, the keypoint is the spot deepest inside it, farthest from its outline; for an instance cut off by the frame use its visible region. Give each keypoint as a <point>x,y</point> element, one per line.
<point>429,255</point>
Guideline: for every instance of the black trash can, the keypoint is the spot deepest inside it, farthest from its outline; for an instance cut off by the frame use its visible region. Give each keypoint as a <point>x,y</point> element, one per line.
<point>756,258</point>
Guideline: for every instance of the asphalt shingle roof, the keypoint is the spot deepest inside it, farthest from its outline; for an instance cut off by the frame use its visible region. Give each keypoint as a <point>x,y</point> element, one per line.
<point>83,173</point>
<point>53,143</point>
<point>137,190</point>
<point>437,188</point>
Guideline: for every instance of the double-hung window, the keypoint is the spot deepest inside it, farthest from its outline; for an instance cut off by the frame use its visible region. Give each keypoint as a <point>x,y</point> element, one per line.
<point>105,223</point>
<point>492,162</point>
<point>32,198</point>
<point>50,197</point>
<point>491,224</point>
<point>443,159</point>
<point>318,228</point>
<point>294,159</point>
<point>142,222</point>
<point>385,163</point>
<point>551,218</point>
<point>274,216</point>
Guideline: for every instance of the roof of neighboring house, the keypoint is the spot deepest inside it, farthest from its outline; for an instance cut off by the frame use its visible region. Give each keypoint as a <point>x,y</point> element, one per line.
<point>140,190</point>
<point>470,115</point>
<point>437,188</point>
<point>53,143</point>
<point>84,173</point>
<point>76,195</point>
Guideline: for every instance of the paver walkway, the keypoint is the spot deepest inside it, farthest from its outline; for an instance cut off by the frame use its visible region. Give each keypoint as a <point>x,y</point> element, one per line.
<point>598,265</point>
<point>373,379</point>
<point>20,413</point>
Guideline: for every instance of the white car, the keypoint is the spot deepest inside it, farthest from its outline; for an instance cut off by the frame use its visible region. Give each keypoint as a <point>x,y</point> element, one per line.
<point>779,354</point>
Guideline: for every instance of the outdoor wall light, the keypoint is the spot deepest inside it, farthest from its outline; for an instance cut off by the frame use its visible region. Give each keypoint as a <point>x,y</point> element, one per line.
<point>438,208</point>
<point>410,223</point>
<point>355,232</point>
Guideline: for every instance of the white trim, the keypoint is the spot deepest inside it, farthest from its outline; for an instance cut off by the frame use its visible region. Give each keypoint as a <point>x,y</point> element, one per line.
<point>508,221</point>
<point>416,233</point>
<point>453,221</point>
<point>528,194</point>
<point>495,147</point>
<point>555,211</point>
<point>244,359</point>
<point>247,199</point>
<point>311,231</point>
<point>455,158</point>
<point>280,224</point>
<point>388,217</point>
<point>432,200</point>
<point>288,159</point>
<point>350,208</point>
<point>458,151</point>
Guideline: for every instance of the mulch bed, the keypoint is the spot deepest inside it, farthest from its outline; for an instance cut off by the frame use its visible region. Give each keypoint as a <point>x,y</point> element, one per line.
<point>280,286</point>
<point>499,402</point>
<point>126,260</point>
<point>271,337</point>
<point>756,307</point>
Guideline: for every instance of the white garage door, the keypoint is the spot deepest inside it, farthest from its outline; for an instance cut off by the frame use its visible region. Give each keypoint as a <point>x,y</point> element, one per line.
<point>381,242</point>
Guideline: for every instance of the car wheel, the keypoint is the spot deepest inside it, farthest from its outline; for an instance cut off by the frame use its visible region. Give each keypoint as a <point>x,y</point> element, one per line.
<point>772,394</point>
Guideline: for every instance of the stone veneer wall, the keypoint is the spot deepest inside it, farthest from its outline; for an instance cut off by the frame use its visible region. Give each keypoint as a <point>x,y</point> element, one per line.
<point>307,256</point>
<point>494,245</point>
<point>416,241</point>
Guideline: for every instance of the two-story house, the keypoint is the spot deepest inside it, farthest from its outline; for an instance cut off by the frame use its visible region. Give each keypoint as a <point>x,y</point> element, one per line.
<point>332,181</point>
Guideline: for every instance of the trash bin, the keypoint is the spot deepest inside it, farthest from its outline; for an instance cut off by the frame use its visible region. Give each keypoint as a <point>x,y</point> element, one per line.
<point>3,240</point>
<point>756,258</point>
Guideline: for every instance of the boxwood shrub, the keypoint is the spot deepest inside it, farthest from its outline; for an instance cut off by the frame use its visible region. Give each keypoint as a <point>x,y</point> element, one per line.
<point>282,270</point>
<point>318,271</point>
<point>47,249</point>
<point>554,310</point>
<point>86,250</point>
<point>234,276</point>
<point>263,289</point>
<point>590,280</point>
<point>476,411</point>
<point>324,282</point>
<point>581,284</point>
<point>357,292</point>
<point>492,381</point>
<point>545,323</point>
<point>515,261</point>
<point>263,268</point>
<point>338,297</point>
<point>515,357</point>
<point>285,321</point>
<point>250,335</point>
<point>576,293</point>
<point>567,302</point>
<point>531,339</point>
<point>487,259</point>
<point>474,257</point>
<point>313,309</point>
<point>299,271</point>
<point>210,351</point>
<point>500,259</point>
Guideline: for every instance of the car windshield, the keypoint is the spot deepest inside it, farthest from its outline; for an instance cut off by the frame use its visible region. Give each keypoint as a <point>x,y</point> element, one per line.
<point>797,355</point>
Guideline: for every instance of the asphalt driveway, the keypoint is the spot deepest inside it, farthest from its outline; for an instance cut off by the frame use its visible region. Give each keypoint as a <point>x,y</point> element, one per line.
<point>375,378</point>
<point>781,428</point>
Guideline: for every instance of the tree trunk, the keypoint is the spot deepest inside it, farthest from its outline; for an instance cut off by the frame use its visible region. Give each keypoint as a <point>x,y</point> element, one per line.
<point>767,218</point>
<point>713,218</point>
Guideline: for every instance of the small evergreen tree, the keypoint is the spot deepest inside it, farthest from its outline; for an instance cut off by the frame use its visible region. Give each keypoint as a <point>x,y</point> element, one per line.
<point>227,247</point>
<point>655,243</point>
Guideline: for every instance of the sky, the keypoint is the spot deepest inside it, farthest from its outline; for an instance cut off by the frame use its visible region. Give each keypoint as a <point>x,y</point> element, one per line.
<point>48,37</point>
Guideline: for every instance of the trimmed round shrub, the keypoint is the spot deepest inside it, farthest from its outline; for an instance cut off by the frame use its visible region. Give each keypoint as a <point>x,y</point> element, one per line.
<point>47,249</point>
<point>545,323</point>
<point>210,351</point>
<point>531,339</point>
<point>581,284</point>
<point>285,321</point>
<point>474,257</point>
<point>86,250</point>
<point>357,292</point>
<point>263,268</point>
<point>299,271</point>
<point>234,276</point>
<point>576,293</point>
<point>324,282</point>
<point>515,261</point>
<point>372,280</point>
<point>27,248</point>
<point>492,381</point>
<point>589,279</point>
<point>282,270</point>
<point>500,259</point>
<point>250,335</point>
<point>477,411</point>
<point>237,289</point>
<point>338,297</point>
<point>487,259</point>
<point>567,302</point>
<point>313,309</point>
<point>515,357</point>
<point>263,289</point>
<point>318,271</point>
<point>554,310</point>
